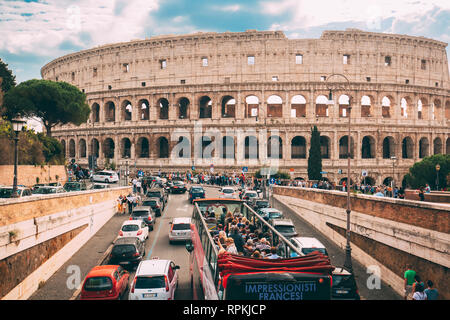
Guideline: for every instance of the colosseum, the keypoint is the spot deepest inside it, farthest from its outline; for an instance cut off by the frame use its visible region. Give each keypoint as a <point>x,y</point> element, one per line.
<point>249,99</point>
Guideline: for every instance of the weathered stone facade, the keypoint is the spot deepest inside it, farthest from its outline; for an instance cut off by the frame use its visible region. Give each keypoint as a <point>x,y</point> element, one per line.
<point>146,94</point>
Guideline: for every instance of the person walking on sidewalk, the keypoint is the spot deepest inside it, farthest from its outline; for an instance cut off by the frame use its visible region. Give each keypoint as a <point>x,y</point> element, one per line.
<point>409,281</point>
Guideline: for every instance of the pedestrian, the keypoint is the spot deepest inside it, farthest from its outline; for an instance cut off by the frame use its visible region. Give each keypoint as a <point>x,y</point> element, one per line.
<point>409,280</point>
<point>427,188</point>
<point>417,282</point>
<point>119,204</point>
<point>421,194</point>
<point>419,294</point>
<point>401,193</point>
<point>432,293</point>
<point>273,253</point>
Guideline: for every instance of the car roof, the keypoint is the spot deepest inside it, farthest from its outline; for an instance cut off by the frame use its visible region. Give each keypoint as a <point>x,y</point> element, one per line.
<point>269,210</point>
<point>142,208</point>
<point>150,198</point>
<point>286,222</point>
<point>153,267</point>
<point>181,220</point>
<point>126,240</point>
<point>136,222</point>
<point>309,242</point>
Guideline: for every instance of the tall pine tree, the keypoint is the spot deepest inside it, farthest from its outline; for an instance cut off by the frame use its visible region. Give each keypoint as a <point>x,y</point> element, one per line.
<point>315,156</point>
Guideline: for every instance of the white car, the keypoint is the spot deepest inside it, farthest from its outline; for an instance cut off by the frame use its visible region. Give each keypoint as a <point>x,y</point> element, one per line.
<point>134,228</point>
<point>307,245</point>
<point>248,195</point>
<point>228,193</point>
<point>105,176</point>
<point>180,230</point>
<point>155,279</point>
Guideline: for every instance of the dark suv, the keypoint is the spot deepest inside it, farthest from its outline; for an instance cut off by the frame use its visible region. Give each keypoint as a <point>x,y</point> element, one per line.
<point>127,251</point>
<point>155,204</point>
<point>196,192</point>
<point>144,213</point>
<point>178,187</point>
<point>344,285</point>
<point>158,193</point>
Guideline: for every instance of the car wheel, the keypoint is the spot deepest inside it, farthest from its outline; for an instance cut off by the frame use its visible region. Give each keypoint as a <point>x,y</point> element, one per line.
<point>106,181</point>
<point>170,242</point>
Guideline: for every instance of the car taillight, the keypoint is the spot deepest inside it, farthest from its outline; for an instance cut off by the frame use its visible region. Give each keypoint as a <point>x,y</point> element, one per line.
<point>157,206</point>
<point>167,284</point>
<point>149,218</point>
<point>134,284</point>
<point>136,254</point>
<point>120,233</point>
<point>131,218</point>
<point>139,232</point>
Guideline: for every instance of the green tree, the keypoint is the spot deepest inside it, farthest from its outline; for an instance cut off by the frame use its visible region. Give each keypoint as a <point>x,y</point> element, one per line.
<point>55,103</point>
<point>424,172</point>
<point>315,156</point>
<point>8,79</point>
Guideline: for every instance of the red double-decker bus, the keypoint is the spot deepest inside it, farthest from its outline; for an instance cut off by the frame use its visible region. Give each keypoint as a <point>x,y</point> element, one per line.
<point>228,276</point>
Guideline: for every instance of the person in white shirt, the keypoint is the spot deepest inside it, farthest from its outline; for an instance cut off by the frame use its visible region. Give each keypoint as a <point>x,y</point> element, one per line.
<point>419,294</point>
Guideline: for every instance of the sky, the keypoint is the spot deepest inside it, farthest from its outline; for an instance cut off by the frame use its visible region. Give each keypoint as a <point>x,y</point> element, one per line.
<point>34,32</point>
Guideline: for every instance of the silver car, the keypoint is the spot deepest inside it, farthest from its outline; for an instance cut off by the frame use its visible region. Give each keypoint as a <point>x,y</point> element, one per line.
<point>180,230</point>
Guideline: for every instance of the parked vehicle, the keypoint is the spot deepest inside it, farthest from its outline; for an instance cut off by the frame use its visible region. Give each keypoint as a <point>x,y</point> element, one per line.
<point>180,230</point>
<point>101,186</point>
<point>107,282</point>
<point>307,245</point>
<point>144,213</point>
<point>257,203</point>
<point>105,176</point>
<point>6,192</point>
<point>155,204</point>
<point>155,279</point>
<point>158,193</point>
<point>285,227</point>
<point>248,195</point>
<point>270,213</point>
<point>134,228</point>
<point>178,187</point>
<point>48,190</point>
<point>196,192</point>
<point>344,285</point>
<point>75,186</point>
<point>228,193</point>
<point>127,251</point>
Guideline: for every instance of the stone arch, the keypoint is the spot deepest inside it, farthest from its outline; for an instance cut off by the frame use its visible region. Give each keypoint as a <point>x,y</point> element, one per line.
<point>182,149</point>
<point>322,106</point>
<point>407,148</point>
<point>251,147</point>
<point>405,107</point>
<point>207,150</point>
<point>436,109</point>
<point>95,112</point>
<point>82,148</point>
<point>343,147</point>
<point>228,109</point>
<point>298,106</point>
<point>366,106</point>
<point>126,111</point>
<point>110,111</point>
<point>108,148</point>
<point>275,147</point>
<point>125,148</point>
<point>344,104</point>
<point>368,147</point>
<point>447,110</point>
<point>63,143</point>
<point>447,146</point>
<point>298,147</point>
<point>274,106</point>
<point>205,107</point>
<point>325,145</point>
<point>228,148</point>
<point>388,147</point>
<point>387,107</point>
<point>345,180</point>
<point>387,181</point>
<point>251,106</point>
<point>163,108</point>
<point>368,181</point>
<point>437,146</point>
<point>72,149</point>
<point>183,108</point>
<point>143,148</point>
<point>95,147</point>
<point>422,108</point>
<point>144,110</point>
<point>424,147</point>
<point>163,147</point>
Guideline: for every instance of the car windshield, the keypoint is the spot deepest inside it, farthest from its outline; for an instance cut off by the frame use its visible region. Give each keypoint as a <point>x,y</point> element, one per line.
<point>72,186</point>
<point>148,282</point>
<point>342,280</point>
<point>130,227</point>
<point>196,190</point>
<point>140,213</point>
<point>251,195</point>
<point>181,226</point>
<point>45,190</point>
<point>5,193</point>
<point>99,186</point>
<point>285,229</point>
<point>153,194</point>
<point>149,203</point>
<point>98,284</point>
<point>309,250</point>
<point>178,183</point>
<point>123,248</point>
<point>227,190</point>
<point>262,203</point>
<point>275,215</point>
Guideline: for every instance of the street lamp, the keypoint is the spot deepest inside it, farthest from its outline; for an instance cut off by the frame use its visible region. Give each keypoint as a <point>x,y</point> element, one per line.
<point>393,158</point>
<point>438,167</point>
<point>17,125</point>
<point>348,250</point>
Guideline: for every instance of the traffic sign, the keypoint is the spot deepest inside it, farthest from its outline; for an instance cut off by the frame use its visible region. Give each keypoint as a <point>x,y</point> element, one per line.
<point>323,172</point>
<point>364,173</point>
<point>193,168</point>
<point>140,173</point>
<point>245,169</point>
<point>272,180</point>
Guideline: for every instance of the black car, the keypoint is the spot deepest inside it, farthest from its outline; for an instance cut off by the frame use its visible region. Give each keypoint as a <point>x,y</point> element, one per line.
<point>144,213</point>
<point>196,192</point>
<point>127,251</point>
<point>259,204</point>
<point>158,193</point>
<point>344,285</point>
<point>155,204</point>
<point>178,187</point>
<point>75,186</point>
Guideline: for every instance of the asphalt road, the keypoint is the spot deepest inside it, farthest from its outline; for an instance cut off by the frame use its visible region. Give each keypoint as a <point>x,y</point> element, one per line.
<point>61,285</point>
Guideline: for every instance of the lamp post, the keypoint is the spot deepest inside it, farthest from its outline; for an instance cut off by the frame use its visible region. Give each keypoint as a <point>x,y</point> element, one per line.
<point>438,167</point>
<point>266,182</point>
<point>348,250</point>
<point>17,125</point>
<point>393,158</point>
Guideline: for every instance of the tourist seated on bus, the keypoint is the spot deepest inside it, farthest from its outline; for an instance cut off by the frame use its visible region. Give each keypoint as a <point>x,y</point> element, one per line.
<point>256,254</point>
<point>249,247</point>
<point>273,254</point>
<point>262,244</point>
<point>265,253</point>
<point>229,247</point>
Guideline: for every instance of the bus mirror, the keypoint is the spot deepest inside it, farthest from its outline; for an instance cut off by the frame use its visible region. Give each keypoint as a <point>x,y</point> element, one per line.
<point>189,246</point>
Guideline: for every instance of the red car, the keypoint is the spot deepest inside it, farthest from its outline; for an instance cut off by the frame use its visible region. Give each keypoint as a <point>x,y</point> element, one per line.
<point>109,282</point>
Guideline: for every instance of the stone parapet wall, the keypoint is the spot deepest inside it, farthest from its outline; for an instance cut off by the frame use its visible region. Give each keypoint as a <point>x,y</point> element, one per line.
<point>27,174</point>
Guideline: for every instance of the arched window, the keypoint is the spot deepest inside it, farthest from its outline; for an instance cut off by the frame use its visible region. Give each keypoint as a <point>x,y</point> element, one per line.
<point>274,107</point>
<point>386,107</point>
<point>343,148</point>
<point>163,147</point>
<point>388,147</point>
<point>144,109</point>
<point>251,149</point>
<point>228,150</point>
<point>251,106</point>
<point>95,112</point>
<point>95,148</point>
<point>407,148</point>
<point>72,148</point>
<point>298,106</point>
<point>368,148</point>
<point>423,148</point>
<point>366,105</point>
<point>143,148</point>
<point>183,108</point>
<point>344,103</point>
<point>228,107</point>
<point>125,145</point>
<point>205,108</point>
<point>110,112</point>
<point>325,147</point>
<point>275,147</point>
<point>163,106</point>
<point>127,111</point>
<point>298,148</point>
<point>437,146</point>
<point>108,148</point>
<point>322,106</point>
<point>82,148</point>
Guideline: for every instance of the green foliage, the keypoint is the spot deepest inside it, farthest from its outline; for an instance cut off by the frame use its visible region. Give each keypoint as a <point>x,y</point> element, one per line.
<point>55,103</point>
<point>52,149</point>
<point>315,156</point>
<point>276,175</point>
<point>424,172</point>
<point>8,79</point>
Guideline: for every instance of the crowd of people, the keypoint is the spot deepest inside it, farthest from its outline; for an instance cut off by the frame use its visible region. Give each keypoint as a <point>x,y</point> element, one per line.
<point>415,287</point>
